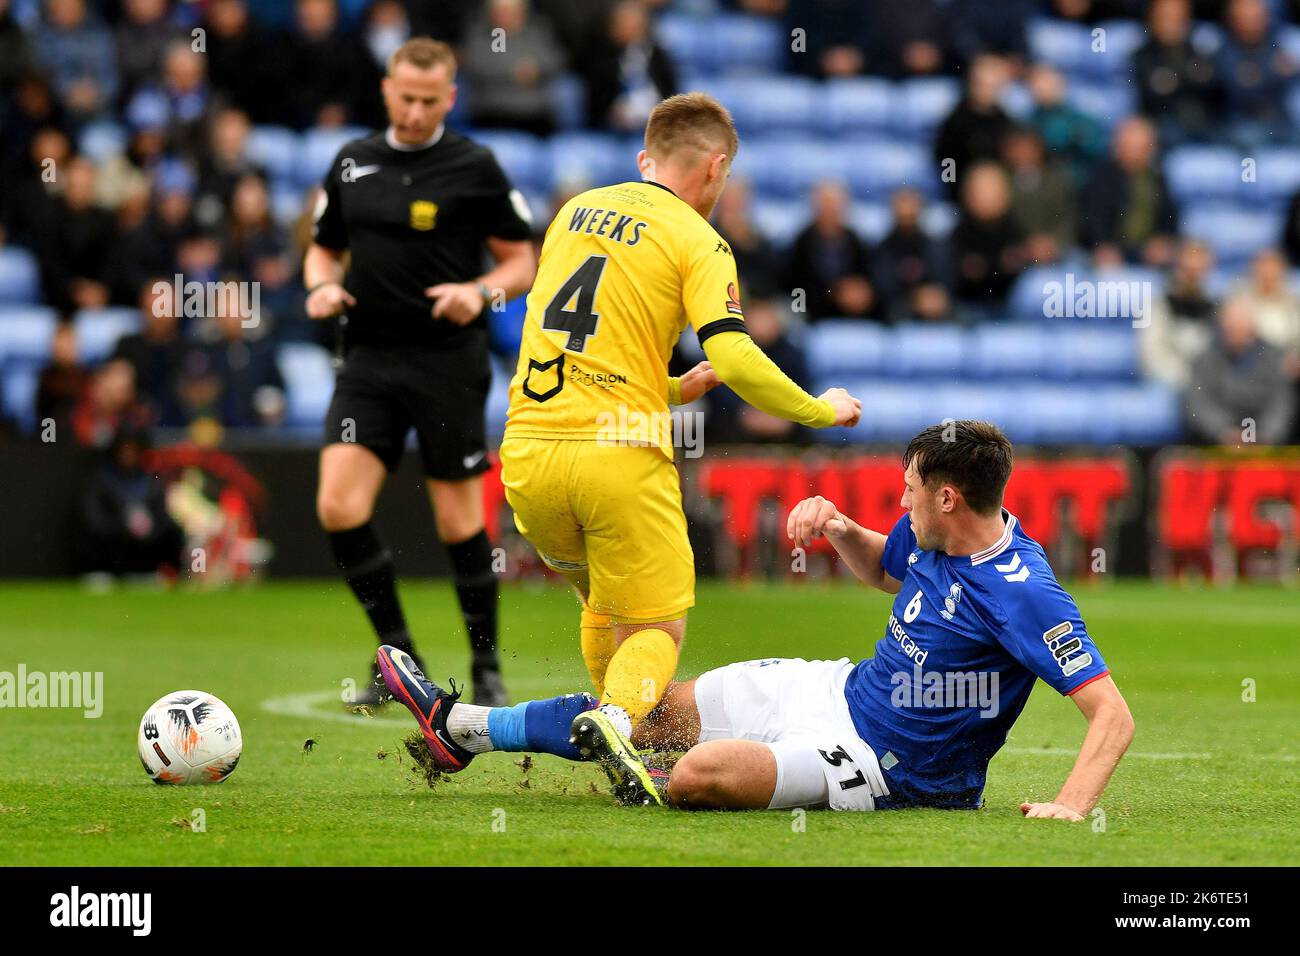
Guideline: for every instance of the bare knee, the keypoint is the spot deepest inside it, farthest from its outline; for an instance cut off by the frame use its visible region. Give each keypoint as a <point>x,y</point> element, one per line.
<point>698,781</point>
<point>342,508</point>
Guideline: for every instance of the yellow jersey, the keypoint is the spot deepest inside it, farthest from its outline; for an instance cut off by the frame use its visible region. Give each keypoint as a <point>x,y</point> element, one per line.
<point>623,271</point>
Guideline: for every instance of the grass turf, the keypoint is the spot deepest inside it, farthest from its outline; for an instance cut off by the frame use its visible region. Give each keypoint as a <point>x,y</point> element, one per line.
<point>1211,779</point>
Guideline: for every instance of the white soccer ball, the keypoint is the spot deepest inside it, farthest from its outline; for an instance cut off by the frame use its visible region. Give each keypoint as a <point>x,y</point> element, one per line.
<point>189,737</point>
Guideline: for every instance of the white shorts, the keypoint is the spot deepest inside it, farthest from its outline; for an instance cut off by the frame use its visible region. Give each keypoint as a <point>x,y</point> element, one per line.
<point>798,709</point>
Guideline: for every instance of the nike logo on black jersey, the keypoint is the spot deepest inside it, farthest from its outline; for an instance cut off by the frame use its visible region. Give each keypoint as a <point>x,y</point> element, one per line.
<point>352,172</point>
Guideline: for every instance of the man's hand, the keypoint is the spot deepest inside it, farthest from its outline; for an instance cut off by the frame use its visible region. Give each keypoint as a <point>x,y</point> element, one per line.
<point>328,299</point>
<point>1051,811</point>
<point>814,517</point>
<point>461,302</point>
<point>698,381</point>
<point>847,408</point>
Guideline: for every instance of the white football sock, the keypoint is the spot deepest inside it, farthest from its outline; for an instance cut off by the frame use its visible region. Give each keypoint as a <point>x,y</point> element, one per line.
<point>468,726</point>
<point>620,718</point>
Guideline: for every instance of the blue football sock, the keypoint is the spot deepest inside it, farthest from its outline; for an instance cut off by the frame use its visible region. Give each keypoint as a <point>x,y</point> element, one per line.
<point>538,726</point>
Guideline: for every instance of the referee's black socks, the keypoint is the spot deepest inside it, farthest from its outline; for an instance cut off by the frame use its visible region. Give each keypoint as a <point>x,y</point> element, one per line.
<point>476,589</point>
<point>368,568</point>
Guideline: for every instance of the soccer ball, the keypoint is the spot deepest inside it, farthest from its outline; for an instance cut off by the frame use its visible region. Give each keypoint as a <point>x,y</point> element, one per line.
<point>189,737</point>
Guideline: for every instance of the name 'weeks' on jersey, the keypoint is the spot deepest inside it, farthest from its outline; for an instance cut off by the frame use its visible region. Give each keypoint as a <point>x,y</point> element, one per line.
<point>624,270</point>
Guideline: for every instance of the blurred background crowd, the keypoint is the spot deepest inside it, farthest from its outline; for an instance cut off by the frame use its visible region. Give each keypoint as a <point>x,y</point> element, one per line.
<point>914,181</point>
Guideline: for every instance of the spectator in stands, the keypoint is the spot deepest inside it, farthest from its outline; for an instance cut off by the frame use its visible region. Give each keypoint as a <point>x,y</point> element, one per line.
<point>1275,303</point>
<point>29,188</point>
<point>828,267</point>
<point>124,176</point>
<point>180,99</point>
<point>579,25</point>
<point>152,246</point>
<point>323,75</point>
<point>32,107</point>
<point>63,381</point>
<point>1177,83</point>
<point>510,72</point>
<point>908,39</point>
<point>78,49</point>
<point>73,243</point>
<point>155,352</point>
<point>1070,134</point>
<point>387,27</point>
<point>627,72</point>
<point>1128,214</point>
<point>16,56</point>
<point>1238,391</point>
<point>987,245</point>
<point>242,61</point>
<point>1291,231</point>
<point>234,381</point>
<point>1043,202</point>
<point>735,421</point>
<point>836,34</point>
<point>1256,73</point>
<point>973,132</point>
<point>141,40</point>
<point>256,248</point>
<point>978,26</point>
<point>108,404</point>
<point>756,261</point>
<point>912,269</point>
<point>1093,11</point>
<point>126,529</point>
<point>225,162</point>
<point>1180,323</point>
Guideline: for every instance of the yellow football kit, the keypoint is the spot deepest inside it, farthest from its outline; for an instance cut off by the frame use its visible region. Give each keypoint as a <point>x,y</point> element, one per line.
<point>587,457</point>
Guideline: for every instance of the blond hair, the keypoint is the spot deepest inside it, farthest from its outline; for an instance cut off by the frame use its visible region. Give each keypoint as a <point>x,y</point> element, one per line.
<point>690,121</point>
<point>424,53</point>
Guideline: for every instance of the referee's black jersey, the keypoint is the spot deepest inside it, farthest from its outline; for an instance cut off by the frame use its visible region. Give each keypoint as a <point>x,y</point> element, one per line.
<point>413,218</point>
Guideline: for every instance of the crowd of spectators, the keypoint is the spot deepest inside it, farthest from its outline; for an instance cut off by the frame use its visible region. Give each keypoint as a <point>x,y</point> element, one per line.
<point>1044,185</point>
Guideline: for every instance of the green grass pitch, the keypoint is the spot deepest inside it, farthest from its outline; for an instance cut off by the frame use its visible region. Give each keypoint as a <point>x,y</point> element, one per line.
<point>1210,779</point>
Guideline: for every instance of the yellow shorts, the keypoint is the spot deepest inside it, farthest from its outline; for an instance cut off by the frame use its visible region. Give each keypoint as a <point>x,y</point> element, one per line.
<point>613,511</point>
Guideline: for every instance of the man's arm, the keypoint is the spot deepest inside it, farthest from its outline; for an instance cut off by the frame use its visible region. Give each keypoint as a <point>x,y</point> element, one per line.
<point>1110,730</point>
<point>322,274</point>
<point>861,548</point>
<point>463,302</point>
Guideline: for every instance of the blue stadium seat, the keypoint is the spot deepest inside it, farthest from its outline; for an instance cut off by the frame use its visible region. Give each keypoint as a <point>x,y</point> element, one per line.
<point>778,167</point>
<point>1029,292</point>
<point>498,402</point>
<point>1004,351</point>
<point>937,351</point>
<point>768,103</point>
<point>318,148</point>
<point>752,44</point>
<point>845,347</point>
<point>278,150</point>
<point>26,333</point>
<point>690,46</point>
<point>1203,172</point>
<point>938,219</point>
<point>1123,38</point>
<point>309,382</point>
<point>1105,102</point>
<point>1067,46</point>
<point>101,139</point>
<point>287,201</point>
<point>525,158</point>
<point>596,159</point>
<point>857,105</point>
<point>891,411</point>
<point>876,167</point>
<point>1095,351</point>
<point>1234,232</point>
<point>779,220</point>
<point>20,276</point>
<point>1207,37</point>
<point>1277,176</point>
<point>923,103</point>
<point>1149,413</point>
<point>871,220</point>
<point>19,394</point>
<point>98,330</point>
<point>1053,414</point>
<point>569,100</point>
<point>1018,101</point>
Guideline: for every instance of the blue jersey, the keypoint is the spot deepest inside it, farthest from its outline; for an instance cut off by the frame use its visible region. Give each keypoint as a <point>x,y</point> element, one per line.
<point>965,640</point>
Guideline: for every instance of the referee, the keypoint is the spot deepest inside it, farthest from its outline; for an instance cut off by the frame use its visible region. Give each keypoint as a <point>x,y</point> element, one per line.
<point>415,206</point>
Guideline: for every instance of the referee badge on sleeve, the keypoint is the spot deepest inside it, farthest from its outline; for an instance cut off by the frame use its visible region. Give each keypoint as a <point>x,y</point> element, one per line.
<point>424,214</point>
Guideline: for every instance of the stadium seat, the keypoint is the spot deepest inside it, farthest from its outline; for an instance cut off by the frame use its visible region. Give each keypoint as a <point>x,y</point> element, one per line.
<point>1203,172</point>
<point>19,394</point>
<point>318,148</point>
<point>287,201</point>
<point>861,104</point>
<point>277,150</point>
<point>1053,414</point>
<point>1105,102</point>
<point>767,104</point>
<point>20,276</point>
<point>921,350</point>
<point>876,167</point>
<point>779,220</point>
<point>1067,46</point>
<point>26,333</point>
<point>101,139</point>
<point>778,167</point>
<point>524,157</point>
<point>690,46</point>
<point>569,100</point>
<point>98,331</point>
<point>938,219</point>
<point>1018,101</point>
<point>1095,351</point>
<point>923,103</point>
<point>729,43</point>
<point>1234,232</point>
<point>592,159</point>
<point>309,382</point>
<point>1277,176</point>
<point>1004,351</point>
<point>871,220</point>
<point>1149,413</point>
<point>846,347</point>
<point>1029,292</point>
<point>1123,38</point>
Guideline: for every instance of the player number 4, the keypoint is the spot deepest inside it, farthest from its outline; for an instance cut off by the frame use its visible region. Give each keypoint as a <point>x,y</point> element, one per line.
<point>580,321</point>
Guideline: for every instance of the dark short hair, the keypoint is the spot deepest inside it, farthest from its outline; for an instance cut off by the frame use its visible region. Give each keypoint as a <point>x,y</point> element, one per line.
<point>975,457</point>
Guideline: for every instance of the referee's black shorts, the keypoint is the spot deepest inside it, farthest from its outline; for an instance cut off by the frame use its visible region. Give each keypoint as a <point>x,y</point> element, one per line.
<point>382,393</point>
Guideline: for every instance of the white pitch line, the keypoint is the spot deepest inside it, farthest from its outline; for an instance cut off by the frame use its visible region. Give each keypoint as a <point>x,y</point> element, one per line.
<point>306,707</point>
